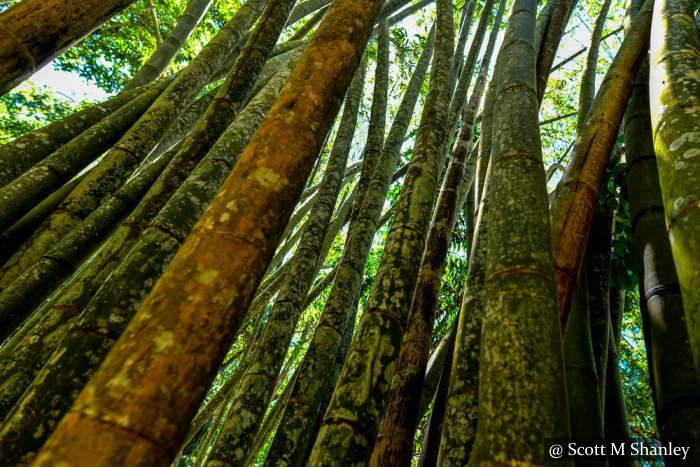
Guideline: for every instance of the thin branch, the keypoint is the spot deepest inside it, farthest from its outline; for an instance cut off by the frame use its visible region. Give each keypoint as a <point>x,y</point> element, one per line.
<point>557,118</point>
<point>557,165</point>
<point>571,57</point>
<point>156,24</point>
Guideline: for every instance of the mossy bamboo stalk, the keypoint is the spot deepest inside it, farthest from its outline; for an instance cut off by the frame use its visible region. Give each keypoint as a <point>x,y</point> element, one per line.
<point>230,248</point>
<point>20,195</point>
<point>36,31</point>
<point>185,123</point>
<point>459,96</point>
<point>111,308</point>
<point>18,232</point>
<point>675,116</point>
<point>587,87</point>
<point>431,439</point>
<point>35,283</point>
<point>230,95</point>
<point>461,403</point>
<point>377,119</point>
<point>208,410</point>
<point>435,368</point>
<point>211,412</point>
<point>58,315</point>
<point>350,424</point>
<point>305,8</point>
<point>522,395</point>
<point>461,399</point>
<point>305,202</point>
<point>542,24</point>
<point>599,264</point>
<point>29,348</point>
<point>156,23</point>
<point>585,409</point>
<point>304,434</point>
<point>617,426</point>
<point>23,152</point>
<point>309,25</point>
<point>673,376</point>
<point>296,432</point>
<point>271,420</point>
<point>394,444</point>
<point>594,303</point>
<point>549,31</point>
<point>257,384</point>
<point>169,47</point>
<point>131,148</point>
<point>465,23</point>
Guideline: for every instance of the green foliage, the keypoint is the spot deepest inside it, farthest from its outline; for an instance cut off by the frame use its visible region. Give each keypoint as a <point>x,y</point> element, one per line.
<point>117,49</point>
<point>29,107</point>
<point>634,371</point>
<point>613,198</point>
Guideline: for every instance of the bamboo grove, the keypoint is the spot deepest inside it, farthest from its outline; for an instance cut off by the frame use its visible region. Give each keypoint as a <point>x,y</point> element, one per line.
<point>348,232</point>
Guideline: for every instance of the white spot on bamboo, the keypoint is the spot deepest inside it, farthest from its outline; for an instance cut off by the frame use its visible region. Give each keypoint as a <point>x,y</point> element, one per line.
<point>164,341</point>
<point>684,138</point>
<point>267,177</point>
<point>207,277</point>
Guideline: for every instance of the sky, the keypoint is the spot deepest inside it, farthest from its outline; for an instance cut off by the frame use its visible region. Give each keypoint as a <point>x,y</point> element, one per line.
<point>69,85</point>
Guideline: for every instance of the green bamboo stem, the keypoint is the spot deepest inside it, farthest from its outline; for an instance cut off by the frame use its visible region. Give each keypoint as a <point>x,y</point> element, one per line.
<point>31,148</point>
<point>350,424</point>
<point>20,195</point>
<point>522,395</point>
<point>167,48</point>
<point>675,116</point>
<point>118,298</point>
<point>257,384</point>
<point>133,147</point>
<point>297,429</point>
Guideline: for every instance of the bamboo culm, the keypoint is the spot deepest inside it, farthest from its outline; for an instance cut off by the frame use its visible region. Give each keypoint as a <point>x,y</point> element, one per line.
<point>169,47</point>
<point>139,140</point>
<point>352,418</point>
<point>285,148</point>
<point>297,429</point>
<point>103,320</point>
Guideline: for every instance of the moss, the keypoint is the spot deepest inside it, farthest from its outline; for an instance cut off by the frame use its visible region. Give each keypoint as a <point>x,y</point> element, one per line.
<point>674,88</point>
<point>317,369</point>
<point>522,398</point>
<point>258,382</point>
<point>238,248</point>
<point>359,397</point>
